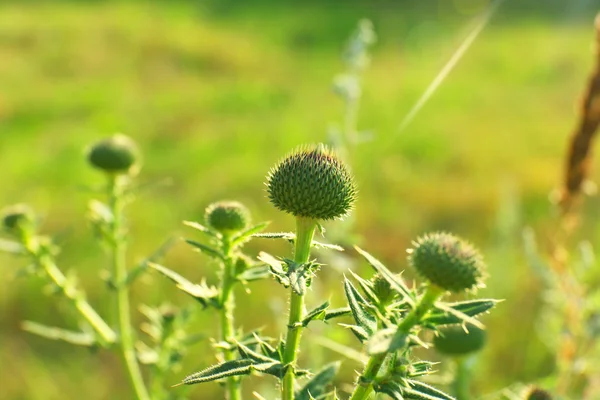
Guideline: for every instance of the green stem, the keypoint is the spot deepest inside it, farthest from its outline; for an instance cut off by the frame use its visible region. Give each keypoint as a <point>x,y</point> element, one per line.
<point>120,280</point>
<point>227,318</point>
<point>364,387</point>
<point>460,385</point>
<point>42,256</point>
<point>305,229</point>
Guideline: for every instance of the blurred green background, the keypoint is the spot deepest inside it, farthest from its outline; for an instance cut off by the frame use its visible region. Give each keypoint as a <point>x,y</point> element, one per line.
<point>215,92</point>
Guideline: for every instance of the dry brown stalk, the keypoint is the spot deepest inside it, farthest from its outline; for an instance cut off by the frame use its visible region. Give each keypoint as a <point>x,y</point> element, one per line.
<point>579,156</point>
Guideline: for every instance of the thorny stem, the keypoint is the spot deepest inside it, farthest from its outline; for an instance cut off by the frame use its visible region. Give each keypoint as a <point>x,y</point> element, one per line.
<point>226,314</point>
<point>364,387</point>
<point>115,192</point>
<point>43,257</point>
<point>305,229</point>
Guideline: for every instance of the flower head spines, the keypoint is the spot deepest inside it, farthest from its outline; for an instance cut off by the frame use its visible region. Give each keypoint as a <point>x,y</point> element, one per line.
<point>18,218</point>
<point>313,183</point>
<point>117,154</point>
<point>447,262</point>
<point>227,217</point>
<point>454,340</point>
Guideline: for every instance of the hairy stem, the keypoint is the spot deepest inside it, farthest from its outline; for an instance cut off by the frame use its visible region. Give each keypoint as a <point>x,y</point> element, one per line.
<point>42,256</point>
<point>227,318</point>
<point>123,311</point>
<point>305,229</point>
<point>364,386</point>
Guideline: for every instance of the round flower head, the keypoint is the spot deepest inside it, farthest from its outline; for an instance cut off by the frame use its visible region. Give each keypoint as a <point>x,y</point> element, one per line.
<point>453,340</point>
<point>312,183</point>
<point>116,154</point>
<point>447,262</point>
<point>534,393</point>
<point>17,218</point>
<point>227,217</point>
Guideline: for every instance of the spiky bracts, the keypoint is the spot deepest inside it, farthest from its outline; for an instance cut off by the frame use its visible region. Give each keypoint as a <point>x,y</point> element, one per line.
<point>447,262</point>
<point>227,217</point>
<point>454,340</point>
<point>313,183</point>
<point>116,154</point>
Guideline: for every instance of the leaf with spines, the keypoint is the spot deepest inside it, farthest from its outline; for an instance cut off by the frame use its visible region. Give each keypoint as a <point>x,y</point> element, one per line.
<point>206,295</point>
<point>255,273</point>
<point>317,385</point>
<point>395,281</point>
<point>366,287</point>
<point>244,366</point>
<point>464,318</point>
<point>337,312</point>
<point>318,314</point>
<point>471,308</point>
<point>248,233</point>
<point>202,248</point>
<point>361,333</point>
<point>276,268</point>
<point>422,391</point>
<point>359,308</point>
<point>300,275</point>
<point>386,341</point>
<point>201,228</point>
<point>291,237</point>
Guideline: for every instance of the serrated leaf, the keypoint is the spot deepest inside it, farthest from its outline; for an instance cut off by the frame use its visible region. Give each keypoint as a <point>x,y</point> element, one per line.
<point>392,389</point>
<point>471,308</point>
<point>386,341</point>
<point>247,352</point>
<point>318,314</point>
<point>201,228</point>
<point>203,293</point>
<point>54,333</point>
<point>226,369</point>
<point>366,287</point>
<point>395,282</point>
<point>275,235</point>
<point>329,246</point>
<point>214,253</point>
<point>422,391</point>
<point>317,385</point>
<point>275,267</point>
<point>299,275</point>
<point>360,333</point>
<point>255,273</point>
<point>8,246</point>
<point>358,306</point>
<point>337,312</point>
<point>245,235</point>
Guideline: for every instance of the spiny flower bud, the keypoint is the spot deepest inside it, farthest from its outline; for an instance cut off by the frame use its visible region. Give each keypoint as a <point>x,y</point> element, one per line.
<point>447,261</point>
<point>383,290</point>
<point>116,154</point>
<point>454,341</point>
<point>17,218</point>
<point>227,217</point>
<point>536,394</point>
<point>313,183</point>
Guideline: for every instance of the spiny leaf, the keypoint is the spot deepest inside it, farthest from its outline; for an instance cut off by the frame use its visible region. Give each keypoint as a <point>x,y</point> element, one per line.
<point>470,308</point>
<point>367,288</point>
<point>338,312</point>
<point>245,235</point>
<point>329,246</point>
<point>318,384</point>
<point>275,235</point>
<point>360,333</point>
<point>462,317</point>
<point>422,391</point>
<point>318,314</point>
<point>395,282</point>
<point>255,273</point>
<point>226,369</point>
<point>201,228</point>
<point>358,306</point>
<point>206,249</point>
<point>203,293</point>
<point>247,352</point>
<point>392,389</point>
<point>299,275</point>
<point>386,341</point>
<point>53,333</point>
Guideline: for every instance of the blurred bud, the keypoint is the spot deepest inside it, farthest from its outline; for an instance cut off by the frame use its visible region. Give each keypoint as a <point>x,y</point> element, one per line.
<point>117,154</point>
<point>312,183</point>
<point>455,341</point>
<point>227,217</point>
<point>383,290</point>
<point>18,218</point>
<point>534,393</point>
<point>242,263</point>
<point>447,261</point>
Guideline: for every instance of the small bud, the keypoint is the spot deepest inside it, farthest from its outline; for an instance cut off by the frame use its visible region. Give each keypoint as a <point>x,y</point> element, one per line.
<point>447,261</point>
<point>17,218</point>
<point>242,263</point>
<point>116,154</point>
<point>455,341</point>
<point>383,290</point>
<point>312,183</point>
<point>227,217</point>
<point>534,393</point>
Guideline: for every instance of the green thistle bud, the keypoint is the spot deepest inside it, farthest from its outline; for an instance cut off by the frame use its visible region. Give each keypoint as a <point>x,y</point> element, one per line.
<point>227,217</point>
<point>312,183</point>
<point>534,393</point>
<point>17,218</point>
<point>447,261</point>
<point>116,154</point>
<point>383,290</point>
<point>454,341</point>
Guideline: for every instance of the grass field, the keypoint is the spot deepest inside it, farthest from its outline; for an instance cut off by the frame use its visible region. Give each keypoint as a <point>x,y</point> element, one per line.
<point>216,93</point>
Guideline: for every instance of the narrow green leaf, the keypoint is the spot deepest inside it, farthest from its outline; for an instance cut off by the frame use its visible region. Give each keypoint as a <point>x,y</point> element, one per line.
<point>358,306</point>
<point>318,314</point>
<point>8,246</point>
<point>360,333</point>
<point>337,312</point>
<point>258,358</point>
<point>329,246</point>
<point>223,370</point>
<point>201,228</point>
<point>392,389</point>
<point>366,287</point>
<point>255,273</point>
<point>317,385</point>
<point>248,233</point>
<point>471,308</point>
<point>206,249</point>
<point>395,282</point>
<point>422,391</point>
<point>386,341</point>
<point>53,333</point>
<point>205,294</point>
<point>275,235</point>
